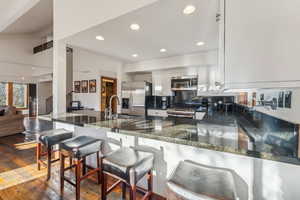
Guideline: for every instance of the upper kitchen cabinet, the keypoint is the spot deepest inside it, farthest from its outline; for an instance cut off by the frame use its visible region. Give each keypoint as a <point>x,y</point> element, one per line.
<point>262,43</point>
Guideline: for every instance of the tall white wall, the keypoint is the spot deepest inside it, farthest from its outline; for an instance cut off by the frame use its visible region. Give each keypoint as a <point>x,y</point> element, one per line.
<point>88,65</point>
<point>74,16</point>
<point>17,59</point>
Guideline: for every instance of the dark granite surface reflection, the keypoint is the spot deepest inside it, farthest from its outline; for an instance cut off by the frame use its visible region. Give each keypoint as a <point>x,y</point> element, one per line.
<point>247,133</point>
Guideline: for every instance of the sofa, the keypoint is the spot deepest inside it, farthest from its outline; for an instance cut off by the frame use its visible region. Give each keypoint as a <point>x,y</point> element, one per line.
<point>11,121</point>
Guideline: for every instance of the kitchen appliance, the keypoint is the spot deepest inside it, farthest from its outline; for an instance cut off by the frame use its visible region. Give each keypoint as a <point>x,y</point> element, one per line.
<point>134,97</point>
<point>158,102</point>
<point>184,99</point>
<point>164,102</point>
<point>181,112</point>
<point>184,83</point>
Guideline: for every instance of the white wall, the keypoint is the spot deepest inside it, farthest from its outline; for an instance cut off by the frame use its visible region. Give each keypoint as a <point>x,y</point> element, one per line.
<point>89,65</point>
<point>17,59</point>
<point>74,16</point>
<point>44,91</point>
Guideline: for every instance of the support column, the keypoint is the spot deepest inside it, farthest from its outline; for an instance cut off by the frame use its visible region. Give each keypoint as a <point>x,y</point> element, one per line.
<point>59,77</point>
<point>69,80</point>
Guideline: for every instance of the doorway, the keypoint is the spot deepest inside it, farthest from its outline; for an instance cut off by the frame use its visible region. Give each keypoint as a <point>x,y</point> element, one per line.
<point>108,88</point>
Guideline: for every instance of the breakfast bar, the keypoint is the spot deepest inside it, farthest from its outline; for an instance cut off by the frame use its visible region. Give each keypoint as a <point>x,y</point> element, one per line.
<point>218,141</point>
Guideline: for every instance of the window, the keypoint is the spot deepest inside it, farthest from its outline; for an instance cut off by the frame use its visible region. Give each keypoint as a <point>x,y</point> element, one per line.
<point>20,95</point>
<point>14,94</point>
<point>3,94</point>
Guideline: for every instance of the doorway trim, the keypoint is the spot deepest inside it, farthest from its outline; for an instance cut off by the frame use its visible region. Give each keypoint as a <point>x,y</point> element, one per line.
<point>115,90</point>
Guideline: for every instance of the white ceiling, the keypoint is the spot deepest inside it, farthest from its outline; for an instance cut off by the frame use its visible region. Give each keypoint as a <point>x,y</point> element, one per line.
<point>162,26</point>
<point>36,19</point>
<point>8,9</point>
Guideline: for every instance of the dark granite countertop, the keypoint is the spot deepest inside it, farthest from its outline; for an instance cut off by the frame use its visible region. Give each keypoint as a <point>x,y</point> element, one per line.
<point>232,133</point>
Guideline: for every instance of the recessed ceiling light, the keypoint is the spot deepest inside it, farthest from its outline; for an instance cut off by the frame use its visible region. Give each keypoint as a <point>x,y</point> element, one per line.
<point>200,43</point>
<point>23,78</point>
<point>135,55</point>
<point>162,50</point>
<point>100,37</point>
<point>135,27</point>
<point>33,68</point>
<point>189,9</point>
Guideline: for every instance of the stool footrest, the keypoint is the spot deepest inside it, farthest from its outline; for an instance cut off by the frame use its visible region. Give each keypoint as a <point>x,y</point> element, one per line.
<point>45,164</point>
<point>89,173</point>
<point>70,167</point>
<point>147,195</point>
<point>70,182</point>
<point>113,186</point>
<point>42,162</point>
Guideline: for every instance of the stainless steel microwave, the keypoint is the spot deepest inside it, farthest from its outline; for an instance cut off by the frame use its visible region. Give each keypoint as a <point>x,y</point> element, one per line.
<point>184,83</point>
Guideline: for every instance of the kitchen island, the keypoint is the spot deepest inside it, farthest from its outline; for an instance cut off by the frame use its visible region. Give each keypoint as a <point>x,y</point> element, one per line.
<point>218,140</point>
<point>232,133</point>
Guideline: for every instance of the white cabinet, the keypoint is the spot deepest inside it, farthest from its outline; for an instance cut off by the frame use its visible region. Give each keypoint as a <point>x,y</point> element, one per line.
<point>161,83</point>
<point>262,43</point>
<point>157,113</point>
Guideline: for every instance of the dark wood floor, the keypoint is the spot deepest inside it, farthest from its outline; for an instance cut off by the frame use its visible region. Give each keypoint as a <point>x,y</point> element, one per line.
<point>12,158</point>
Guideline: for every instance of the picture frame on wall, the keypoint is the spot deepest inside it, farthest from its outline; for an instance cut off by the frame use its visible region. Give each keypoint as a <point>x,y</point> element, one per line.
<point>288,99</point>
<point>77,87</point>
<point>281,99</point>
<point>92,86</point>
<point>84,86</point>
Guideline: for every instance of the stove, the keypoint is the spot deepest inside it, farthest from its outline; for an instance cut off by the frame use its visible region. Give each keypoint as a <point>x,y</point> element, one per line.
<point>181,112</point>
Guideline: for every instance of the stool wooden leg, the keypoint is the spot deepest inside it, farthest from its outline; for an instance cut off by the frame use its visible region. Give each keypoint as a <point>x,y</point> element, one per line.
<point>62,173</point>
<point>38,155</point>
<point>133,192</point>
<point>70,160</point>
<point>99,165</point>
<point>48,163</point>
<point>78,175</point>
<point>103,186</point>
<point>124,191</point>
<point>83,166</point>
<point>150,183</point>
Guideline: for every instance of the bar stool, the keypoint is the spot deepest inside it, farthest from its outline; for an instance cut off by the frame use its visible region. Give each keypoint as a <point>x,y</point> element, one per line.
<point>49,139</point>
<point>193,181</point>
<point>78,148</point>
<point>129,166</point>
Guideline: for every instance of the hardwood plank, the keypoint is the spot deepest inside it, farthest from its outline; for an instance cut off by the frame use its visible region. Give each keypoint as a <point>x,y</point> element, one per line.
<point>12,158</point>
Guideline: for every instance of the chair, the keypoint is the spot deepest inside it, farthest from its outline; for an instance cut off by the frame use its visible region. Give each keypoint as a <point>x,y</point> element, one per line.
<point>193,181</point>
<point>78,148</point>
<point>49,139</point>
<point>129,166</point>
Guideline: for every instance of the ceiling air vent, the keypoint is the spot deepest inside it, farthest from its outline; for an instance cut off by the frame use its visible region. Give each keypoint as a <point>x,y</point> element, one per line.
<point>43,47</point>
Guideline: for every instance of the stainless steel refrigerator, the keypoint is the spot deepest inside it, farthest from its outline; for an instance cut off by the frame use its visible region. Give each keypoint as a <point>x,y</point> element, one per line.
<point>134,97</point>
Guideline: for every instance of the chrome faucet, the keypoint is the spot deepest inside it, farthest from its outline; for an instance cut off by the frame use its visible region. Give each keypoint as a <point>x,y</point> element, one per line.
<point>110,115</point>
